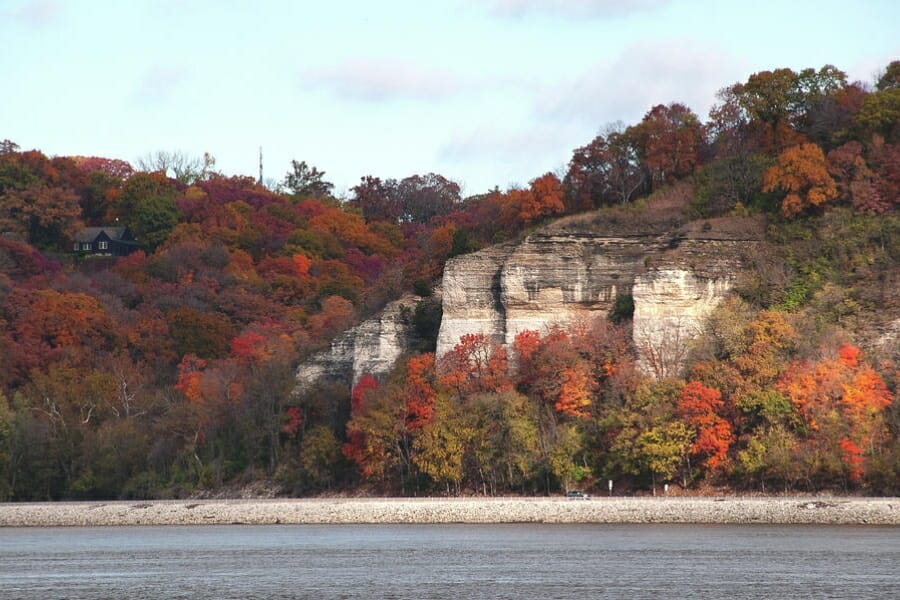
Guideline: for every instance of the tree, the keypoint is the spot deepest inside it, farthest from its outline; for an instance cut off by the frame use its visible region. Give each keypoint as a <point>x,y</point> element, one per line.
<point>768,96</point>
<point>544,199</point>
<point>439,448</point>
<point>504,439</point>
<point>474,365</point>
<point>842,401</point>
<point>802,173</point>
<point>662,449</point>
<point>208,335</point>
<point>671,137</point>
<point>179,166</point>
<point>890,79</point>
<point>48,215</point>
<point>700,408</point>
<point>377,199</point>
<point>306,181</point>
<point>606,171</point>
<point>153,219</point>
<point>423,197</point>
<point>880,114</point>
<point>574,398</point>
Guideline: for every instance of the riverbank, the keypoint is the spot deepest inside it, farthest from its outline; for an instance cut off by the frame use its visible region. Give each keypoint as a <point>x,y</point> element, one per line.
<point>723,510</point>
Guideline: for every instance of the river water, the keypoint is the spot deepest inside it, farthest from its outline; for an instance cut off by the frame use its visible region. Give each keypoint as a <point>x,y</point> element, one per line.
<point>451,561</point>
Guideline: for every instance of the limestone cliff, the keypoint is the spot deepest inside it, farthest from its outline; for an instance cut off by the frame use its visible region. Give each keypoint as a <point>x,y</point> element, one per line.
<point>576,268</point>
<point>373,346</point>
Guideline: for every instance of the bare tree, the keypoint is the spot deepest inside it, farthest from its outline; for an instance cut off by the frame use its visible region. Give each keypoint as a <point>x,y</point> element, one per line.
<point>178,165</point>
<point>663,349</point>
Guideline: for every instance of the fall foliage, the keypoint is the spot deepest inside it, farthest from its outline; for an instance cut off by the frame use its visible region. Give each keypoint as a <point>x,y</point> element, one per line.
<point>172,370</point>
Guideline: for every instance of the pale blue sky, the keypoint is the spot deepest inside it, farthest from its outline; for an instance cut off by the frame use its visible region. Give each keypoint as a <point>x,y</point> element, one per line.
<point>489,92</point>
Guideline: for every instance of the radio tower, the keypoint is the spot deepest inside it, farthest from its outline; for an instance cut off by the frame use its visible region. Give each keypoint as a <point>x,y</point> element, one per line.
<point>260,166</point>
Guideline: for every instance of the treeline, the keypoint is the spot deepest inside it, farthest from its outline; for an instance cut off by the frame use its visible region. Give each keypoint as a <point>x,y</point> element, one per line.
<point>171,369</point>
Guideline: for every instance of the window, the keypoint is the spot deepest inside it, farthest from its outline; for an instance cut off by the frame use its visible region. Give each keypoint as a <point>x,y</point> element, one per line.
<point>77,246</point>
<point>86,246</point>
<point>103,245</point>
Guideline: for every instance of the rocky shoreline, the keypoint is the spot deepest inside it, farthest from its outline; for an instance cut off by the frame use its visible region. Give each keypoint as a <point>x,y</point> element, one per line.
<point>722,510</point>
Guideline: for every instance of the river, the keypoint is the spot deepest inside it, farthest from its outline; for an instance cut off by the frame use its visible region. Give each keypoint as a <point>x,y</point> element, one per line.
<point>451,561</point>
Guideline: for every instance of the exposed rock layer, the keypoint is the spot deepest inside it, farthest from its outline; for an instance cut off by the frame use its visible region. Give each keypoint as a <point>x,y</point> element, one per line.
<point>576,269</point>
<point>373,347</point>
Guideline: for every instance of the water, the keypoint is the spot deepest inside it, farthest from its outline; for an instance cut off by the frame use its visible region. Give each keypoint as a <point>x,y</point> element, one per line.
<point>451,561</point>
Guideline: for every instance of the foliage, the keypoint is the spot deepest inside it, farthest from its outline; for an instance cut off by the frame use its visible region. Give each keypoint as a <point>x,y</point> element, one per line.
<point>172,370</point>
<point>801,172</point>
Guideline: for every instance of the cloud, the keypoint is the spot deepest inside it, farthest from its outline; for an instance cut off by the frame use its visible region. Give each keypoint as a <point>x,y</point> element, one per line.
<point>159,84</point>
<point>513,155</point>
<point>575,8</point>
<point>39,13</point>
<point>380,80</point>
<point>644,75</point>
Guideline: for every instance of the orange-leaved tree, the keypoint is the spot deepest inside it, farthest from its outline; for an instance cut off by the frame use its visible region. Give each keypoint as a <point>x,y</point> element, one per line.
<point>842,400</point>
<point>701,407</point>
<point>802,173</point>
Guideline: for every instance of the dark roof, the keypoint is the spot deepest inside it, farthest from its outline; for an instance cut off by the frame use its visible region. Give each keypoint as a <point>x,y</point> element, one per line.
<point>89,234</point>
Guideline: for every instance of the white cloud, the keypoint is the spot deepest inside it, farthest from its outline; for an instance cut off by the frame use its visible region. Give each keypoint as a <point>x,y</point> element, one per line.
<point>575,8</point>
<point>511,156</point>
<point>644,75</point>
<point>39,13</point>
<point>159,84</point>
<point>378,80</point>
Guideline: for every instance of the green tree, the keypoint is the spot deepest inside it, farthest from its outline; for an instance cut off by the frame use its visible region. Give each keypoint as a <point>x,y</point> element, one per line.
<point>153,220</point>
<point>306,181</point>
<point>505,439</point>
<point>320,452</point>
<point>662,449</point>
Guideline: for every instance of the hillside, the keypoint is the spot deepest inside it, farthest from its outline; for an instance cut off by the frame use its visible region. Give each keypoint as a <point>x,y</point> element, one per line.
<point>570,350</point>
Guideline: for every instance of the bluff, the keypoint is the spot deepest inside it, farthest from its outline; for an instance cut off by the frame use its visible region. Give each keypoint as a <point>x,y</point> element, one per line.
<point>373,346</point>
<point>675,272</point>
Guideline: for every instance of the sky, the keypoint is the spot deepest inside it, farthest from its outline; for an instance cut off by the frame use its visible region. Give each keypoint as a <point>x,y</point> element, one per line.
<point>488,93</point>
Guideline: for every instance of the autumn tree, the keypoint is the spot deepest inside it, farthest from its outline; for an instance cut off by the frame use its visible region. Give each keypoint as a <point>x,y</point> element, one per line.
<point>606,171</point>
<point>440,446</point>
<point>47,215</point>
<point>544,199</point>
<point>782,98</point>
<point>475,365</point>
<point>701,408</point>
<point>842,401</point>
<point>802,173</point>
<point>377,199</point>
<point>670,137</point>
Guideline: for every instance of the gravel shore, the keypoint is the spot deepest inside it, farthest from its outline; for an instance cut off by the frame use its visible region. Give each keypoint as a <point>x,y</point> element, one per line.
<point>724,510</point>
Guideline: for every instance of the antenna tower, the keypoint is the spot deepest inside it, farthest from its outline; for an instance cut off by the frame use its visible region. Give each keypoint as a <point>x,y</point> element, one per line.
<point>260,166</point>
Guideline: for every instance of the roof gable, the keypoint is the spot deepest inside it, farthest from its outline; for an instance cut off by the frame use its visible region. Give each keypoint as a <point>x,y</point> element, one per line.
<point>90,234</point>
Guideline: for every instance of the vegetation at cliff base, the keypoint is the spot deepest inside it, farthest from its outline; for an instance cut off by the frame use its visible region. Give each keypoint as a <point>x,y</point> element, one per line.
<point>169,370</point>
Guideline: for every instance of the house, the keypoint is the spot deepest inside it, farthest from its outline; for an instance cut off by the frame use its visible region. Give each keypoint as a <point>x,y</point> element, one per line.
<point>105,241</point>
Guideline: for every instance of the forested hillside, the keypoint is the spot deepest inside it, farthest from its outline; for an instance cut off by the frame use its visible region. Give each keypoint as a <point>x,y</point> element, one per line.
<point>170,371</point>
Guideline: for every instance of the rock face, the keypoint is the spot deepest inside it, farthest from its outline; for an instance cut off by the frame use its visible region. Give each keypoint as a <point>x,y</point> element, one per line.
<point>577,268</point>
<point>373,346</point>
<point>573,269</point>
